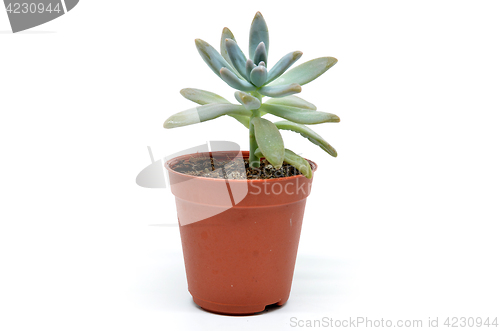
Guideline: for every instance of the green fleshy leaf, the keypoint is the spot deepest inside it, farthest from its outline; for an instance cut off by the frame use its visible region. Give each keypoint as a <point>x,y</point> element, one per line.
<point>292,101</point>
<point>230,78</point>
<point>269,141</point>
<point>307,133</point>
<point>202,97</point>
<point>280,91</point>
<point>283,64</point>
<point>226,34</point>
<point>299,115</point>
<point>291,158</point>
<point>249,101</point>
<point>204,113</point>
<point>258,33</point>
<point>298,162</point>
<point>258,75</point>
<point>249,66</point>
<point>259,154</point>
<point>238,59</point>
<point>260,54</point>
<point>245,120</point>
<point>306,72</point>
<point>211,57</point>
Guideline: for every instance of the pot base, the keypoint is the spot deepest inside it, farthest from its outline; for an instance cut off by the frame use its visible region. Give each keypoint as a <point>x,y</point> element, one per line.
<point>233,309</point>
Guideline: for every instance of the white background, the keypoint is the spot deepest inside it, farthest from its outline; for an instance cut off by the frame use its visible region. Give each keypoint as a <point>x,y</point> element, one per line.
<point>402,225</point>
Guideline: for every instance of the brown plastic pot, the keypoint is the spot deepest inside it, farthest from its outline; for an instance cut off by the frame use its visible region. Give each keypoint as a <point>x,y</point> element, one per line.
<point>239,237</point>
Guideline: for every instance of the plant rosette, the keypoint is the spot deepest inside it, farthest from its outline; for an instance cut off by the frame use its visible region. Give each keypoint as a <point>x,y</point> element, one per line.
<point>240,235</point>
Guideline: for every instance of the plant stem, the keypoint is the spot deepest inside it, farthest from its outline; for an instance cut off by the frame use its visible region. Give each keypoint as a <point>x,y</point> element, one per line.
<point>254,161</point>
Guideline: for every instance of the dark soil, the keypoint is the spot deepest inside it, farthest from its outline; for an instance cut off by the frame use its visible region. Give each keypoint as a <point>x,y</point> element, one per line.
<point>204,166</point>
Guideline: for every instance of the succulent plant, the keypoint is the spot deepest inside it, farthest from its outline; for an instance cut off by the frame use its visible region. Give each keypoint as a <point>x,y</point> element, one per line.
<point>253,81</point>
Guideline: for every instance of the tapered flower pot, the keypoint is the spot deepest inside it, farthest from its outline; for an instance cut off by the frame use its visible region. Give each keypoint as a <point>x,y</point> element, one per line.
<point>239,237</point>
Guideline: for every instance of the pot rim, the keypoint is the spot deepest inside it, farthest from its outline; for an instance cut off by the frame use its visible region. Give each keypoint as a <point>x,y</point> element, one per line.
<point>313,164</point>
